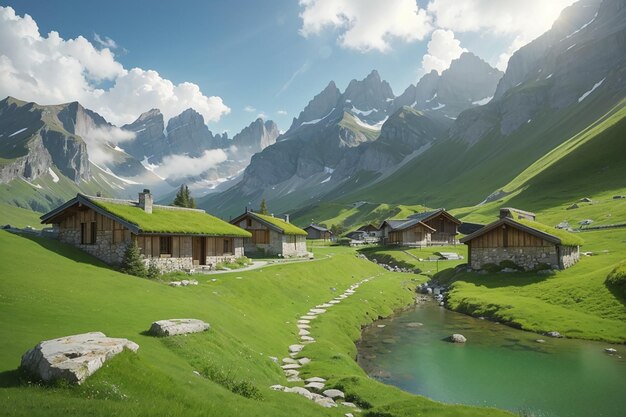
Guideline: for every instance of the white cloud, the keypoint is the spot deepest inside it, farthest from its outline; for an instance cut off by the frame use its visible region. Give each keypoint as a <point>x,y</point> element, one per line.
<point>523,21</point>
<point>51,70</point>
<point>249,109</point>
<point>261,116</point>
<point>181,166</point>
<point>366,25</point>
<point>281,112</point>
<point>105,41</point>
<point>99,141</point>
<point>443,48</point>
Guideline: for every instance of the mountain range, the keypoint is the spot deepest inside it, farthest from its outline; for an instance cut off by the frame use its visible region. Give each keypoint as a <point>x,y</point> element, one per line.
<point>468,136</point>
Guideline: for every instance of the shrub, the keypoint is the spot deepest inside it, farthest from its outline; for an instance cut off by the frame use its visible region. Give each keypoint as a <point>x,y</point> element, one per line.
<point>510,264</point>
<point>542,267</point>
<point>493,268</point>
<point>132,264</point>
<point>153,271</point>
<point>617,278</point>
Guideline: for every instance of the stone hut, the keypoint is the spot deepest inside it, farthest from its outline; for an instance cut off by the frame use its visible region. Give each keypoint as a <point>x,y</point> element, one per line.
<point>271,235</point>
<point>407,232</point>
<point>173,238</point>
<point>526,243</point>
<point>315,231</point>
<point>446,226</point>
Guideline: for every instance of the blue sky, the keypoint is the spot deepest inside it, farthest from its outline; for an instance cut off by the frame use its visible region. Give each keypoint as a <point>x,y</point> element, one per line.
<point>250,53</point>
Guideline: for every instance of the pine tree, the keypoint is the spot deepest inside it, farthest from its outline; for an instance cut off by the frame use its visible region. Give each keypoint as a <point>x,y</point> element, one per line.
<point>132,263</point>
<point>263,207</point>
<point>183,198</point>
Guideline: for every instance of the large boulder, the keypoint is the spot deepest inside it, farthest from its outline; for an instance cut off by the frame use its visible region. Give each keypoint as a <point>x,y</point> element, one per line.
<point>173,327</point>
<point>73,358</point>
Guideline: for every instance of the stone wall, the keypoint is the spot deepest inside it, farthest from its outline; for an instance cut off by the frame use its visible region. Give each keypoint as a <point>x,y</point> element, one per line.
<point>294,246</point>
<point>525,257</point>
<point>570,255</point>
<point>103,249</point>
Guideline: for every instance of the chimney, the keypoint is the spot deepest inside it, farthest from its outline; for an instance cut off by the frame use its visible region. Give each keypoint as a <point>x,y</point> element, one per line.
<point>145,201</point>
<point>287,218</point>
<point>98,194</point>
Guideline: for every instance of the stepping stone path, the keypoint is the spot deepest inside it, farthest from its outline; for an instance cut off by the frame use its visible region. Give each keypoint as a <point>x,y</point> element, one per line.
<point>173,327</point>
<point>291,366</point>
<point>73,358</point>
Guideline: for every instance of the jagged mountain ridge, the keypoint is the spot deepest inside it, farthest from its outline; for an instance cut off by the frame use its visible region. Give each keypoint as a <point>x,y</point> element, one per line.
<point>336,137</point>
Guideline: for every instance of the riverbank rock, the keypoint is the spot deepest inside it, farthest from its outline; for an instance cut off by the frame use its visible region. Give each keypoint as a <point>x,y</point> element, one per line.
<point>458,338</point>
<point>540,341</point>
<point>610,351</point>
<point>173,327</point>
<point>73,358</point>
<point>554,334</point>
<point>414,324</point>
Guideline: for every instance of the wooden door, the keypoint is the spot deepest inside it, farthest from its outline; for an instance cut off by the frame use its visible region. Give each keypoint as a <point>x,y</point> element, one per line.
<point>198,249</point>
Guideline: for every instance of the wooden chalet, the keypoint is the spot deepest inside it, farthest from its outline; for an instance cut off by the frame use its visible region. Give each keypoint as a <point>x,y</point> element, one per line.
<point>528,244</point>
<point>172,238</point>
<point>445,224</point>
<point>315,231</point>
<point>406,232</point>
<point>271,235</point>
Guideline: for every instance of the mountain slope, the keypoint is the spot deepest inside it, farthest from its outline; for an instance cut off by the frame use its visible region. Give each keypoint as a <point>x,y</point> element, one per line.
<point>489,145</point>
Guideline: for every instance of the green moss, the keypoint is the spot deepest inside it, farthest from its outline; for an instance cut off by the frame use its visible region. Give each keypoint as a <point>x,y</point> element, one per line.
<point>567,238</point>
<point>287,228</point>
<point>617,278</point>
<point>165,220</point>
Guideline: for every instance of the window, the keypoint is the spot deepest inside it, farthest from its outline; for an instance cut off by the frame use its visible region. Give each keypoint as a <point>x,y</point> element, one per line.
<point>83,233</point>
<point>249,222</point>
<point>165,245</point>
<point>227,246</point>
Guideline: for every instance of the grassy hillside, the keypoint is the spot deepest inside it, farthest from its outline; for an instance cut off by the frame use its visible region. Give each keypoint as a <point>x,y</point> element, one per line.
<point>553,158</point>
<point>19,217</point>
<point>354,215</point>
<point>56,290</point>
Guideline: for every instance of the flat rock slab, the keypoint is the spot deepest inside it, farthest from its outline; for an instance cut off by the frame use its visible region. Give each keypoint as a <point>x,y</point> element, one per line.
<point>307,339</point>
<point>73,358</point>
<point>303,332</point>
<point>457,338</point>
<point>295,348</point>
<point>334,393</point>
<point>300,391</point>
<point>315,385</point>
<point>291,366</point>
<point>289,360</point>
<point>308,317</point>
<point>317,311</point>
<point>304,321</point>
<point>315,379</point>
<point>303,326</point>
<point>173,327</point>
<point>304,361</point>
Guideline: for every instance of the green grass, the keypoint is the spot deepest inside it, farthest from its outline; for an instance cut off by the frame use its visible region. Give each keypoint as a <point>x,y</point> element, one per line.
<point>567,238</point>
<point>574,302</point>
<point>420,258</point>
<point>19,217</point>
<point>50,290</point>
<point>163,220</point>
<point>617,278</point>
<point>287,228</point>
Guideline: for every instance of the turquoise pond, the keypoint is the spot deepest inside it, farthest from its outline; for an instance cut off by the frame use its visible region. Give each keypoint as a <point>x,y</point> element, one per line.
<point>498,366</point>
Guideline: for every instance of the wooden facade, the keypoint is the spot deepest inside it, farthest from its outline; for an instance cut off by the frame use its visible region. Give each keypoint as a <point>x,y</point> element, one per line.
<point>94,230</point>
<point>526,247</point>
<point>270,239</point>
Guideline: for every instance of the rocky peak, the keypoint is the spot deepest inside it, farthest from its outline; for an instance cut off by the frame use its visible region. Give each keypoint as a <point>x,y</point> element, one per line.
<point>188,134</point>
<point>150,142</point>
<point>369,93</point>
<point>454,88</point>
<point>321,105</point>
<point>529,59</point>
<point>257,136</point>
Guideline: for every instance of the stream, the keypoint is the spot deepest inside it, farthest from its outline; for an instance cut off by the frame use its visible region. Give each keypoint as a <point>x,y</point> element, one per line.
<point>498,366</point>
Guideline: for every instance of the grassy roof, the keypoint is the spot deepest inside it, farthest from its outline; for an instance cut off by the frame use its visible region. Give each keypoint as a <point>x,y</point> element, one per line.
<point>287,228</point>
<point>164,220</point>
<point>567,238</point>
